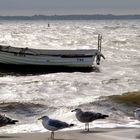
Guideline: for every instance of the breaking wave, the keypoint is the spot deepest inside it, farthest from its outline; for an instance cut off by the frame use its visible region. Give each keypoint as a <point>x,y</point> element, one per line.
<point>27,109</point>
<point>116,105</point>
<point>124,103</point>
<point>131,98</point>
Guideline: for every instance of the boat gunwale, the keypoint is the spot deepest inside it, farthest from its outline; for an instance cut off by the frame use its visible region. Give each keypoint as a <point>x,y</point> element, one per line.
<point>23,52</point>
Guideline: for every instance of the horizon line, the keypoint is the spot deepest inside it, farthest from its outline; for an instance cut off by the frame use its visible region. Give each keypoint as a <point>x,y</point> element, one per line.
<point>70,15</point>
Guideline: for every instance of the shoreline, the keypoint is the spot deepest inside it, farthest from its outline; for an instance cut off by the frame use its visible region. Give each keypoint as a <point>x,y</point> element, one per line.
<point>96,133</point>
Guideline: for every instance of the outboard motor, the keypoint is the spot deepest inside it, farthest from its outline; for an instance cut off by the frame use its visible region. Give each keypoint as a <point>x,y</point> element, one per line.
<point>98,57</point>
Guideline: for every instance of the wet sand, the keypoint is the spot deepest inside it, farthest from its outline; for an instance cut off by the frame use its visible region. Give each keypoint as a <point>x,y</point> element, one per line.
<point>95,134</point>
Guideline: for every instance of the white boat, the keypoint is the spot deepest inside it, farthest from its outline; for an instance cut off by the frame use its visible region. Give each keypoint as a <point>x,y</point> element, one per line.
<point>40,57</point>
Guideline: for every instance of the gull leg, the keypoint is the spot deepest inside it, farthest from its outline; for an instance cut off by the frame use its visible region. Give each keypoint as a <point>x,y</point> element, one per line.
<point>88,127</point>
<point>52,136</point>
<point>85,126</point>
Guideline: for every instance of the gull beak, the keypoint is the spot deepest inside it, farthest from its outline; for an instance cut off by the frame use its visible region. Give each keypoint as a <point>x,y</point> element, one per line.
<point>40,118</point>
<point>73,110</point>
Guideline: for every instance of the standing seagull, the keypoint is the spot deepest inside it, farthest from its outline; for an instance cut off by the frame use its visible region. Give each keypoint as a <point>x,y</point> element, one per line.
<point>87,117</point>
<point>137,114</point>
<point>6,121</point>
<point>53,125</point>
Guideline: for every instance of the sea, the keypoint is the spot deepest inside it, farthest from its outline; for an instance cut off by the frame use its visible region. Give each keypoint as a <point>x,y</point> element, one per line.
<point>113,89</point>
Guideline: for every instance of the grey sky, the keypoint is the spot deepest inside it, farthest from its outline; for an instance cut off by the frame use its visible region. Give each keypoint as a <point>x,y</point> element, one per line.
<point>51,7</point>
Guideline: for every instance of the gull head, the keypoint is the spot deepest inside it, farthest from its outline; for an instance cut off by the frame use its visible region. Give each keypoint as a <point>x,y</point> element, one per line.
<point>76,110</point>
<point>44,118</point>
<point>137,114</point>
<point>137,110</point>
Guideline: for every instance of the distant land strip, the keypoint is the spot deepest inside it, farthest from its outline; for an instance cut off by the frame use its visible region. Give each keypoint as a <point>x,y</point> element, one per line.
<point>72,17</point>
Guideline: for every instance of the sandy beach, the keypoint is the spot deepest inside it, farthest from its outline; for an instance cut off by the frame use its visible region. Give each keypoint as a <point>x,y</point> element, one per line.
<point>96,134</point>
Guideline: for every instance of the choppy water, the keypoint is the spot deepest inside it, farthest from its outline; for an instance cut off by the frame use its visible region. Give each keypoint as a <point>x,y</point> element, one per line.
<point>27,97</point>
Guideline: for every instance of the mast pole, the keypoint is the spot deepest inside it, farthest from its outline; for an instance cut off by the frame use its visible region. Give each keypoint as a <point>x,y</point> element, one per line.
<point>99,42</point>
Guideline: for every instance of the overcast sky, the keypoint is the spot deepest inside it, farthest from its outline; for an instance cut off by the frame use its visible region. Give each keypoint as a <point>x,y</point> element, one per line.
<point>52,7</point>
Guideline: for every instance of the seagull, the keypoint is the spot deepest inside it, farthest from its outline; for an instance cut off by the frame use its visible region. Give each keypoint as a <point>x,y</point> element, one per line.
<point>87,117</point>
<point>53,125</point>
<point>137,114</point>
<point>6,121</point>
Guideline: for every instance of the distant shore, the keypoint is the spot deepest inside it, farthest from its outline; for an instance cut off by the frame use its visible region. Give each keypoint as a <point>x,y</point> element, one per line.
<point>72,17</point>
<point>95,134</point>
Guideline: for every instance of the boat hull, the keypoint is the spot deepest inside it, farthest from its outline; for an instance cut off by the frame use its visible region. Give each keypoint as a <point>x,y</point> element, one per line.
<point>34,60</point>
<point>35,69</point>
<point>70,58</point>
